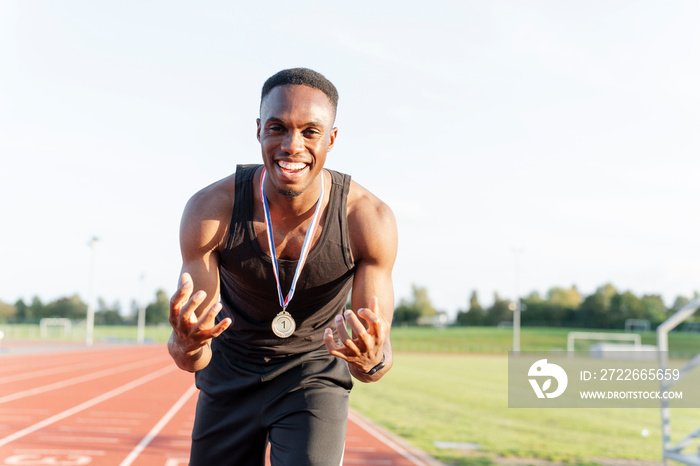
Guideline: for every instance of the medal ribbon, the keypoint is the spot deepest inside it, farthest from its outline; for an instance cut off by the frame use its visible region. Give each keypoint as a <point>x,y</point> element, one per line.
<point>284,302</point>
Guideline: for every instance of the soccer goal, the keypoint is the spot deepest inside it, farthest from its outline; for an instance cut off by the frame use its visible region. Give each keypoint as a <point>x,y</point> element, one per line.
<point>635,338</point>
<point>637,325</point>
<point>48,323</point>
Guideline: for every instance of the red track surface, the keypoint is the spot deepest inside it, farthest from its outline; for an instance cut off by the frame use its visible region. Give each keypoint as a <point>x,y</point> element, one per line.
<point>124,406</point>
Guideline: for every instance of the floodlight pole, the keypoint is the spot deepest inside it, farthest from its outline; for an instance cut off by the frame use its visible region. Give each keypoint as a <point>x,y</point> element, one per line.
<point>140,333</point>
<point>516,301</point>
<point>90,319</point>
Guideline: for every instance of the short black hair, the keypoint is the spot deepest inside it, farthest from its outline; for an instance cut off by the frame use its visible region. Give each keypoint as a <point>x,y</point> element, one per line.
<point>301,76</point>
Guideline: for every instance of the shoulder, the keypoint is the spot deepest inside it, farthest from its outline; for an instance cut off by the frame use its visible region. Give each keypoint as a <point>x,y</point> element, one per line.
<point>213,198</point>
<point>207,215</point>
<point>371,224</point>
<point>362,204</point>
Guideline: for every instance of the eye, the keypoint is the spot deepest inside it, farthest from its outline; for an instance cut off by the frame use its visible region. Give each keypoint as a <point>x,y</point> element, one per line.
<point>311,132</point>
<point>276,128</point>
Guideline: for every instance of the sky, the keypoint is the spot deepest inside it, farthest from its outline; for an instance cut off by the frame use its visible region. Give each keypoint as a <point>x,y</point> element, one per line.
<point>521,145</point>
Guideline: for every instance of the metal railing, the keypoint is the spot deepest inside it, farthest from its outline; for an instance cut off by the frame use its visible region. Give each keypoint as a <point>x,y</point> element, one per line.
<point>675,452</point>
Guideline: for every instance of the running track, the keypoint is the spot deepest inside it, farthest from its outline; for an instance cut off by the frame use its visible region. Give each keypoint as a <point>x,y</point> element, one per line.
<point>123,406</point>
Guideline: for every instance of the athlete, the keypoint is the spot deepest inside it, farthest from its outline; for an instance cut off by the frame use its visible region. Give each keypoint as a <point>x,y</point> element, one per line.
<point>270,255</point>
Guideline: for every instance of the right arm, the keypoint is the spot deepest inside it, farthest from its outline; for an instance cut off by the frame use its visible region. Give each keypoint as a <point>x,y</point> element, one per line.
<point>202,230</point>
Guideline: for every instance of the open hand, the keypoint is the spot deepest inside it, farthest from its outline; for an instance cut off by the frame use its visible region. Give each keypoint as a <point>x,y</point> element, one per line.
<point>365,348</point>
<point>189,331</point>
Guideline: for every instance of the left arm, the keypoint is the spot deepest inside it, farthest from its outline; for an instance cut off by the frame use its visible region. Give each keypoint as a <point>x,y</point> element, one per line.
<point>374,242</point>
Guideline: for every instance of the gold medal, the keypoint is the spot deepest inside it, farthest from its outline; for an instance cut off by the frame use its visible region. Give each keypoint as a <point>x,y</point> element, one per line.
<point>283,324</point>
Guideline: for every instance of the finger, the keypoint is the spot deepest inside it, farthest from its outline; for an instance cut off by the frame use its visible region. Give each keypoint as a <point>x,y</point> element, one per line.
<point>368,315</point>
<point>351,348</point>
<point>374,304</point>
<point>374,321</point>
<point>343,334</point>
<point>359,332</point>
<point>220,327</point>
<point>355,323</point>
<point>207,318</point>
<point>187,313</point>
<point>330,344</point>
<point>373,316</point>
<point>181,295</point>
<point>373,313</point>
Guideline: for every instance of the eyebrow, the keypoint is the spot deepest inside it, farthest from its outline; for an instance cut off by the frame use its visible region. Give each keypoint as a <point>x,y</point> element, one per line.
<point>274,119</point>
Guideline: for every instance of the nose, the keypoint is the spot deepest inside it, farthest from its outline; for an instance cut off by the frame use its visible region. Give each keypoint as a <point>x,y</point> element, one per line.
<point>293,142</point>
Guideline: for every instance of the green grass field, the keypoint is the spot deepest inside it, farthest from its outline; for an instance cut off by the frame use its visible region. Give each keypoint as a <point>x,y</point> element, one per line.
<point>450,385</point>
<point>464,398</point>
<point>500,340</point>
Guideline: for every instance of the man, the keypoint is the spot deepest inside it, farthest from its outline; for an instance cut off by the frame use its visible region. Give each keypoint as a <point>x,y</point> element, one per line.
<point>281,245</point>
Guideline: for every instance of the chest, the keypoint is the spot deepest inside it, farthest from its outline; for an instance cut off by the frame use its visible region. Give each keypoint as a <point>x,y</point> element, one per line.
<point>288,240</point>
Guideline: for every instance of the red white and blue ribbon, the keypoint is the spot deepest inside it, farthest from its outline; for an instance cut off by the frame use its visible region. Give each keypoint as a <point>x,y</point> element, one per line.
<point>284,302</point>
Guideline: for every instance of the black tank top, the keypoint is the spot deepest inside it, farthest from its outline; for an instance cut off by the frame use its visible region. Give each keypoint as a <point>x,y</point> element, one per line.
<point>249,292</point>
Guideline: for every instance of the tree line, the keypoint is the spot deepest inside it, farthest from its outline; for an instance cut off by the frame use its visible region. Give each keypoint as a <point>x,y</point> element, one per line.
<point>606,308</point>
<point>74,308</point>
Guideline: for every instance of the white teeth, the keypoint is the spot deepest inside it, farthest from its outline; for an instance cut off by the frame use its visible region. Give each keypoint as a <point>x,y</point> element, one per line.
<point>291,165</point>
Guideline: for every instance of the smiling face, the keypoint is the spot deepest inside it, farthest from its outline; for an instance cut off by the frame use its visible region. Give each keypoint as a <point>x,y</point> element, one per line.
<point>295,130</point>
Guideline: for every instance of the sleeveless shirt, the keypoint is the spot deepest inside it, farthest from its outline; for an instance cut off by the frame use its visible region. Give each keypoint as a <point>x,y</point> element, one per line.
<point>248,290</point>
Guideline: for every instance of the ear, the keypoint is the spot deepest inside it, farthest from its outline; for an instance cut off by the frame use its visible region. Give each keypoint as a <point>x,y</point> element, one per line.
<point>257,121</point>
<point>332,135</point>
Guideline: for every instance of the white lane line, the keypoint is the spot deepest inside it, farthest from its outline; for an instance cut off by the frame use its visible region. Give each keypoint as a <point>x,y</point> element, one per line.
<point>159,426</point>
<point>77,380</point>
<point>87,404</point>
<point>386,440</point>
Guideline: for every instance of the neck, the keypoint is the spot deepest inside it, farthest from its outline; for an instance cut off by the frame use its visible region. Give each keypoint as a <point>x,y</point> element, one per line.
<point>284,207</point>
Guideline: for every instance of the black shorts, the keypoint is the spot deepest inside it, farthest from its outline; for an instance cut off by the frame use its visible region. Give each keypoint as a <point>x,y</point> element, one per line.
<point>299,405</point>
